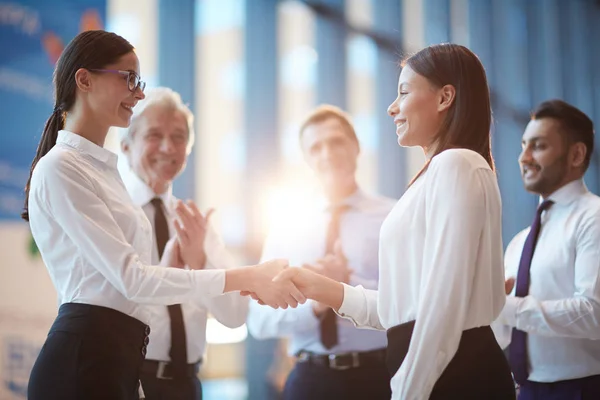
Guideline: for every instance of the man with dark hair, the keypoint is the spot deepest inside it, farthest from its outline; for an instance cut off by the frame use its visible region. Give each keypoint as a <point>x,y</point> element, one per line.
<point>339,238</point>
<point>552,315</point>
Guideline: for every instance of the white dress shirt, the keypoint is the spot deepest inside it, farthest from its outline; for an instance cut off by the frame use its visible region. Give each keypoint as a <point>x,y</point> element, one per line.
<point>561,313</point>
<point>440,258</point>
<point>230,309</point>
<point>95,242</point>
<point>305,242</point>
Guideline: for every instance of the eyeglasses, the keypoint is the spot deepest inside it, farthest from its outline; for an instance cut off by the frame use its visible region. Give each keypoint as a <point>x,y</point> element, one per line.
<point>133,79</point>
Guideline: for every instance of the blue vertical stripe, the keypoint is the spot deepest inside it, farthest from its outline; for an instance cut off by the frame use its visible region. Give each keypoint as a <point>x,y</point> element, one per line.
<point>437,21</point>
<point>177,69</point>
<point>392,171</point>
<point>331,47</point>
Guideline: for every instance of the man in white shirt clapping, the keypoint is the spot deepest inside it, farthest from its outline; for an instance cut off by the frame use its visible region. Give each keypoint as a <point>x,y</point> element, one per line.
<point>552,315</point>
<point>339,238</point>
<point>156,146</point>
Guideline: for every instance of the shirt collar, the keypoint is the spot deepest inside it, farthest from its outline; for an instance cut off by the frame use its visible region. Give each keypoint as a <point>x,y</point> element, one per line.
<point>354,201</point>
<point>85,146</point>
<point>568,193</point>
<point>141,194</point>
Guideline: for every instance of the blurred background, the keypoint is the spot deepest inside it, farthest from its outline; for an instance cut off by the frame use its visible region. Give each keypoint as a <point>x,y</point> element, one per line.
<point>250,71</point>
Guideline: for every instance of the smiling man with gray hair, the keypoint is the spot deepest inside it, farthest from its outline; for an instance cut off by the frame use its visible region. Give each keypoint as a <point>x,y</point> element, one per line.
<point>156,146</point>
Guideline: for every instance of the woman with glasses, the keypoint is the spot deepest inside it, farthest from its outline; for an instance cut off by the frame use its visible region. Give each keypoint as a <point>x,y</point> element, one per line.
<point>97,245</point>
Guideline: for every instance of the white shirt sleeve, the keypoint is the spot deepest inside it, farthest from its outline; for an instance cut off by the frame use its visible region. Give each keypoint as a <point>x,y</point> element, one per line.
<point>455,215</point>
<point>576,317</point>
<point>73,203</point>
<point>230,309</point>
<point>360,307</point>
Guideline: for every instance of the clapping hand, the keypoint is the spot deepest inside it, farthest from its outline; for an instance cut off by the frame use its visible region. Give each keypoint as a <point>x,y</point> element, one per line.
<point>191,227</point>
<point>333,266</point>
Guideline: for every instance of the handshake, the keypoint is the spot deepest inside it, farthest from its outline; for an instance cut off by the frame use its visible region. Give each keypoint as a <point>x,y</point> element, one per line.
<point>271,283</point>
<point>275,284</point>
<point>278,285</point>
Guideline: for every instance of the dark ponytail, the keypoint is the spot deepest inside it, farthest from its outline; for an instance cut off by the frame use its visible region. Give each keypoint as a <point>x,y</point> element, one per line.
<point>90,50</point>
<point>54,124</point>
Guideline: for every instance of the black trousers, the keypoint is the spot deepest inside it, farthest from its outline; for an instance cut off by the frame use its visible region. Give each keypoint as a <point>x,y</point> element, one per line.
<point>478,370</point>
<point>188,388</point>
<point>91,352</point>
<point>316,382</point>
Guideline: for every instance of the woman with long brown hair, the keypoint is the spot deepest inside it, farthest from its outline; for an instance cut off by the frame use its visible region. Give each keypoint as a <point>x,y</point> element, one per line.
<point>97,244</point>
<point>441,280</point>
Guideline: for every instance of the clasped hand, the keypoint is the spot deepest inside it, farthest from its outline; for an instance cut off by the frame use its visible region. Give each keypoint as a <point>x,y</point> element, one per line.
<point>300,283</point>
<point>268,286</point>
<point>312,281</point>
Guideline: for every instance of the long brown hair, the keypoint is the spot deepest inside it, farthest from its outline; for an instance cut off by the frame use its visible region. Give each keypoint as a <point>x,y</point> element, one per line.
<point>91,50</point>
<point>468,121</point>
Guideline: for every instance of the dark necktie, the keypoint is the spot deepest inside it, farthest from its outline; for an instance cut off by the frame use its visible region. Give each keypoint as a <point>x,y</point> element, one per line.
<point>328,326</point>
<point>518,345</point>
<point>178,351</point>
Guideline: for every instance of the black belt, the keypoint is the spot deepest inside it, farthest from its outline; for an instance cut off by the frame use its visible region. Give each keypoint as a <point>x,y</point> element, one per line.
<point>163,369</point>
<point>345,360</point>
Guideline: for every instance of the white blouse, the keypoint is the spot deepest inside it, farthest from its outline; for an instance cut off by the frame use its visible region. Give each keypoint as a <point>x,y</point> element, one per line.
<point>440,257</point>
<point>95,242</point>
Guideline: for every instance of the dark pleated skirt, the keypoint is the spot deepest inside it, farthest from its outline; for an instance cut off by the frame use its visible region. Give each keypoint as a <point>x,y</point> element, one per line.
<point>91,352</point>
<point>478,370</point>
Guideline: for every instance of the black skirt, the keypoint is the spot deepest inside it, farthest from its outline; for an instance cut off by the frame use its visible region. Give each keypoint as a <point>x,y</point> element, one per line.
<point>91,352</point>
<point>478,370</point>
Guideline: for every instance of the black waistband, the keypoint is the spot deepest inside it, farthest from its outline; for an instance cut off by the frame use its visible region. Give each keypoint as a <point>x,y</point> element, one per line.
<point>399,342</point>
<point>478,369</point>
<point>95,320</point>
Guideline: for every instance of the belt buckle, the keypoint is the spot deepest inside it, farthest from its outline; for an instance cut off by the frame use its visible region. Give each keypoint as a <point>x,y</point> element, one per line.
<point>160,371</point>
<point>334,365</point>
<point>303,357</point>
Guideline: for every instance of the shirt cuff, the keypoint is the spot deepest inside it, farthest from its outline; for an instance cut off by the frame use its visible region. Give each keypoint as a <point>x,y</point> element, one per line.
<point>508,316</point>
<point>352,303</point>
<point>209,282</point>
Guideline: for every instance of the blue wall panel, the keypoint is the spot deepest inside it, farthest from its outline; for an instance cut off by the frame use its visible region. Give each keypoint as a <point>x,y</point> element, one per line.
<point>177,69</point>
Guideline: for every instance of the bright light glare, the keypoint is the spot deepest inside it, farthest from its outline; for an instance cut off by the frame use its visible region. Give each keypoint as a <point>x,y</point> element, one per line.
<point>286,205</point>
<point>216,333</point>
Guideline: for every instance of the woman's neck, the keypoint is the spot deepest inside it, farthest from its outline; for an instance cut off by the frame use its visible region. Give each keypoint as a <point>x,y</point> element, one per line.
<point>86,127</point>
